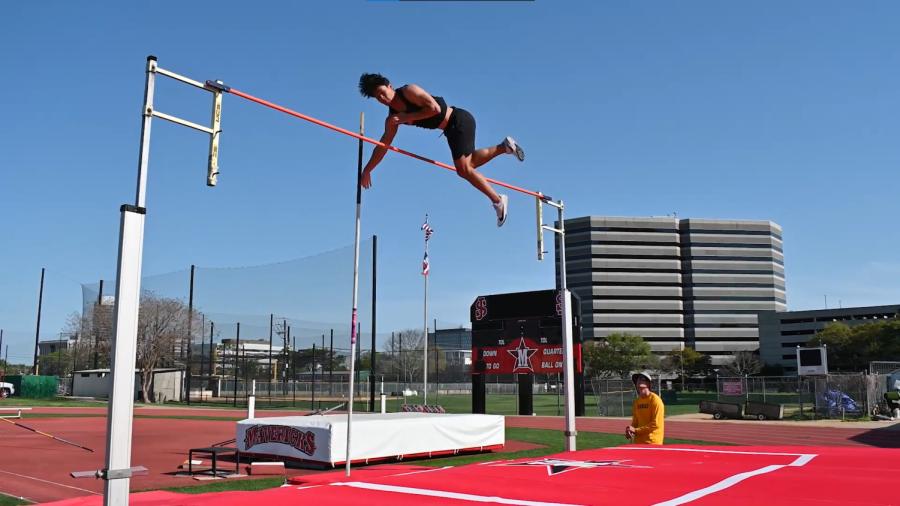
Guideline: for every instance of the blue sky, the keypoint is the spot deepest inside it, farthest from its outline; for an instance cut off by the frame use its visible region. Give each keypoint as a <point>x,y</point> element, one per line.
<point>705,109</point>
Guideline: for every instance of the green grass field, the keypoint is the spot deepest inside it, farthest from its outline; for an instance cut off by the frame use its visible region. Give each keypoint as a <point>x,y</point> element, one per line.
<point>50,402</point>
<point>6,500</point>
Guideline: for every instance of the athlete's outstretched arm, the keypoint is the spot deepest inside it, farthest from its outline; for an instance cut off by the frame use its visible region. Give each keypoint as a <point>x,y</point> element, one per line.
<point>390,130</point>
<point>423,99</point>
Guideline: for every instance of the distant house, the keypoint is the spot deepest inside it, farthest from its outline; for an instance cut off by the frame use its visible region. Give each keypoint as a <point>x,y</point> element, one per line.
<point>166,384</point>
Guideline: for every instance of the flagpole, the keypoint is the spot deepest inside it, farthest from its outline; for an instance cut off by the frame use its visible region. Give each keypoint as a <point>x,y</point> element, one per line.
<point>425,359</point>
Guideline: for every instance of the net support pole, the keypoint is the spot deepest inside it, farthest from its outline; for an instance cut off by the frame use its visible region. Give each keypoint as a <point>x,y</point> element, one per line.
<point>566,299</point>
<point>355,292</point>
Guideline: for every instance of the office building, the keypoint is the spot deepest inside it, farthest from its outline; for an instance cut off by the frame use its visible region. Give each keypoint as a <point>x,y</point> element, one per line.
<point>697,283</point>
<point>780,333</point>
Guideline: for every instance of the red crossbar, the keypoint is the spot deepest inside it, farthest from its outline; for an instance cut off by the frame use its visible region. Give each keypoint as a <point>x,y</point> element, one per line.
<point>377,143</point>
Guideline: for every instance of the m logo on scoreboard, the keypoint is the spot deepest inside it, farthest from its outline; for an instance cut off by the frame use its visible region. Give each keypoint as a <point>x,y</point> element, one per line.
<point>297,439</point>
<point>480,308</point>
<point>522,354</point>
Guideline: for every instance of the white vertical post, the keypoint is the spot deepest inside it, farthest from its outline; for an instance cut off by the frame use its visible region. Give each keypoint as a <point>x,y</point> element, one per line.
<point>568,359</point>
<point>355,290</point>
<point>123,351</point>
<point>251,401</point>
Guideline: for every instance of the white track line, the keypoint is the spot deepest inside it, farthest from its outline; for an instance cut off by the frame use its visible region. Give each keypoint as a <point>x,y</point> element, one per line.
<point>50,482</point>
<point>448,495</point>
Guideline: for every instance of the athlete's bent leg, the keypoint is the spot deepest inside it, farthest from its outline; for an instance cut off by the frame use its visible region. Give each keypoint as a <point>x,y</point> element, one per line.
<point>484,155</point>
<point>465,170</point>
<point>460,133</point>
<point>507,147</point>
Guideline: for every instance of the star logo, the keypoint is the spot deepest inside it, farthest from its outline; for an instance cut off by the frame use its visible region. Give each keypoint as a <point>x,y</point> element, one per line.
<point>523,354</point>
<point>559,466</point>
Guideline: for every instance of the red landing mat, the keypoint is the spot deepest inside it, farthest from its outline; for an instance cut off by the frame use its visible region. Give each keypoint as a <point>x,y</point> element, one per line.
<point>635,475</point>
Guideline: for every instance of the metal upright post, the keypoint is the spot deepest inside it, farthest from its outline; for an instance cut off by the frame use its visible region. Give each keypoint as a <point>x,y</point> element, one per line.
<point>272,378</point>
<point>566,302</point>
<point>190,340</point>
<point>237,347</point>
<point>568,347</point>
<point>96,324</point>
<point>425,325</point>
<point>37,332</point>
<point>372,367</point>
<point>117,471</point>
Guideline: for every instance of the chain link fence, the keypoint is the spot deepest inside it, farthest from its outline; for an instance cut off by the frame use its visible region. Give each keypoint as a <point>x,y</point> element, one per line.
<point>615,396</point>
<point>832,396</point>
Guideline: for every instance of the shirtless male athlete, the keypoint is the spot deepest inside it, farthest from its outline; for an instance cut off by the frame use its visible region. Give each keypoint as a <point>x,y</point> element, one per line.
<point>411,105</point>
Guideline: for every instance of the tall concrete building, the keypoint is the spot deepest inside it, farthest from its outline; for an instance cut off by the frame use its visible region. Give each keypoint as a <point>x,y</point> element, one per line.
<point>698,283</point>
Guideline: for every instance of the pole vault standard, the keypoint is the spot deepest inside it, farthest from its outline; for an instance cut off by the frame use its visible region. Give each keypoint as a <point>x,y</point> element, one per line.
<point>117,471</point>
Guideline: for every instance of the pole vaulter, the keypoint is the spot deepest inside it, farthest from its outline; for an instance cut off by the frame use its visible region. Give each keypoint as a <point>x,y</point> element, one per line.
<point>117,472</point>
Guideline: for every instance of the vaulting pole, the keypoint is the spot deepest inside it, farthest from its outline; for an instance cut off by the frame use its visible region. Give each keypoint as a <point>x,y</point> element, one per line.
<point>355,291</point>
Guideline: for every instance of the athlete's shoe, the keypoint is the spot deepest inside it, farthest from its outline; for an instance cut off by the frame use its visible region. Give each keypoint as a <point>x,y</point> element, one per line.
<point>513,149</point>
<point>500,207</point>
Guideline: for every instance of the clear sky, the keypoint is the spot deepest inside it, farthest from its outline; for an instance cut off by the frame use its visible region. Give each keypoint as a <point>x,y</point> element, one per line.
<point>776,111</point>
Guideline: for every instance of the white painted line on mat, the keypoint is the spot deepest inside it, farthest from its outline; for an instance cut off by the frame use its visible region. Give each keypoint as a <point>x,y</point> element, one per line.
<point>50,482</point>
<point>722,485</point>
<point>801,460</point>
<point>447,495</point>
<point>420,472</point>
<point>734,452</point>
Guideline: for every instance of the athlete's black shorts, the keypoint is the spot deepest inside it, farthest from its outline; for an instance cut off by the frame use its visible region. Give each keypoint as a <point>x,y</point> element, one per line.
<point>460,133</point>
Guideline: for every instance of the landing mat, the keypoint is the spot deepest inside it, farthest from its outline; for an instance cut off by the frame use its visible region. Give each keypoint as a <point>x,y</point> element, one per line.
<point>636,475</point>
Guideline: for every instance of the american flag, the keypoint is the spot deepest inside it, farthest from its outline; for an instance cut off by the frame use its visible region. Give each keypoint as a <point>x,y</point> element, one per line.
<point>428,231</point>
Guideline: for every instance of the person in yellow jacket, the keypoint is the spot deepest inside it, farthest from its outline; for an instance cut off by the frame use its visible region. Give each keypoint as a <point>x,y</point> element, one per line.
<point>647,426</point>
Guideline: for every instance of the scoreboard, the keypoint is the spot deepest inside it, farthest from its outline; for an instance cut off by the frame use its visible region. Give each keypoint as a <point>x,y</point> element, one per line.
<point>521,334</point>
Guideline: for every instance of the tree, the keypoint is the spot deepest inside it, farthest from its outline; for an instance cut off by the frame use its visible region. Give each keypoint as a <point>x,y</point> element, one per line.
<point>852,348</point>
<point>688,361</point>
<point>616,355</point>
<point>742,363</point>
<point>162,328</point>
<point>405,353</point>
